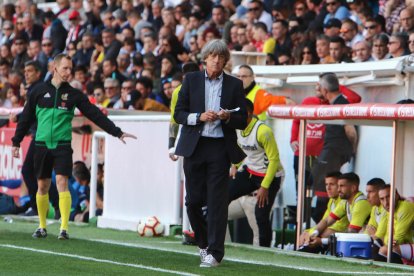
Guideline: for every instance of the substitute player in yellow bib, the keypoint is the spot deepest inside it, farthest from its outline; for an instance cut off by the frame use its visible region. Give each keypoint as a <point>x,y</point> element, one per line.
<point>332,189</point>
<point>260,171</point>
<point>403,227</point>
<point>354,206</point>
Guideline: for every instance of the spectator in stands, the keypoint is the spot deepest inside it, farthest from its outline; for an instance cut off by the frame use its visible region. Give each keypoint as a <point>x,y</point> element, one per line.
<point>336,10</point>
<point>398,45</point>
<point>123,61</point>
<point>332,28</point>
<point>338,50</point>
<point>403,224</point>
<point>349,32</point>
<point>34,49</point>
<point>80,212</point>
<point>263,42</point>
<point>372,28</point>
<point>138,102</point>
<point>7,33</point>
<point>372,189</point>
<point>322,49</point>
<point>407,20</point>
<point>5,53</point>
<point>144,85</point>
<point>47,53</point>
<point>110,70</point>
<point>308,54</point>
<point>354,206</point>
<point>362,51</point>
<point>126,87</point>
<point>33,31</point>
<point>81,75</point>
<point>259,14</point>
<point>156,18</point>
<point>339,143</point>
<point>218,18</point>
<point>380,47</point>
<point>111,45</point>
<point>260,173</point>
<point>100,96</point>
<point>169,21</point>
<point>391,11</point>
<point>84,54</point>
<point>113,93</point>
<point>76,29</point>
<point>280,33</point>
<point>241,38</point>
<point>284,58</point>
<point>332,189</point>
<point>71,49</point>
<point>194,53</point>
<point>20,46</point>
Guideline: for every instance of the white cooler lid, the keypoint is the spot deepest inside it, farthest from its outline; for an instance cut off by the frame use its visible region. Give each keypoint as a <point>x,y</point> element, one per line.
<point>351,237</point>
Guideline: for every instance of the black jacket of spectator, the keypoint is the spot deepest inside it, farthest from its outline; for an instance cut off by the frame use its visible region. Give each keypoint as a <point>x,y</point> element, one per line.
<point>113,50</point>
<point>58,35</point>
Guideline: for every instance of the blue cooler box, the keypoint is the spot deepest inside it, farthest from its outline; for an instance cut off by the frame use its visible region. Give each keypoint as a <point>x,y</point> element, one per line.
<point>353,245</point>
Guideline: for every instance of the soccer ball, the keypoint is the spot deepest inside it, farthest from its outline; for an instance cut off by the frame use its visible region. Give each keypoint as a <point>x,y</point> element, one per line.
<point>150,227</point>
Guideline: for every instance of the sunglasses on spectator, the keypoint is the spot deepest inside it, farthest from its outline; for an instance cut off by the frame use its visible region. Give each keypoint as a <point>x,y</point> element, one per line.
<point>47,44</point>
<point>19,23</point>
<point>410,41</point>
<point>330,3</point>
<point>370,27</point>
<point>299,8</point>
<point>254,9</point>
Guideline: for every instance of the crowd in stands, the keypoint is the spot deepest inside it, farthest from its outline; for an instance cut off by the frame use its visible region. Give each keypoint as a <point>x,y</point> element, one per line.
<point>147,42</point>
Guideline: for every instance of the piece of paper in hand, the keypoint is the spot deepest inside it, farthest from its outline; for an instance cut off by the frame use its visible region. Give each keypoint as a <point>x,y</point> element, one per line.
<point>230,110</point>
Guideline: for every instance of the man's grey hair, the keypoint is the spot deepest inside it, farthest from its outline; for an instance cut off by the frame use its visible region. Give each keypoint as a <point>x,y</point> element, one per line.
<point>329,81</point>
<point>215,47</point>
<point>114,82</point>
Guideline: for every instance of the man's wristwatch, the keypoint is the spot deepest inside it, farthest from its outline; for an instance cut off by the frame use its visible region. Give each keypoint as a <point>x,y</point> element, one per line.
<point>198,118</point>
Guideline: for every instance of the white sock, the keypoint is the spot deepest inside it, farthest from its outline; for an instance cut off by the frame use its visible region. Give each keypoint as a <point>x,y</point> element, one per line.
<point>407,251</point>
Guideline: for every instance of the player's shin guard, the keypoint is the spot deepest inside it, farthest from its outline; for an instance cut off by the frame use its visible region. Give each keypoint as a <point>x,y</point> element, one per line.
<point>65,202</point>
<point>42,202</point>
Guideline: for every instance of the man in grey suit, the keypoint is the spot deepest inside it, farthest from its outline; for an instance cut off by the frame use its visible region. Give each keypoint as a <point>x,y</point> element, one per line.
<point>210,106</point>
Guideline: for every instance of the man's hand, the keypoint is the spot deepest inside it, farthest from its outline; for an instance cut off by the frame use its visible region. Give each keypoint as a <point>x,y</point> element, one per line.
<point>233,171</point>
<point>208,116</point>
<point>295,146</point>
<point>290,101</point>
<point>262,197</point>
<point>16,152</point>
<point>171,153</point>
<point>126,135</point>
<point>13,117</point>
<point>223,115</point>
<point>315,241</point>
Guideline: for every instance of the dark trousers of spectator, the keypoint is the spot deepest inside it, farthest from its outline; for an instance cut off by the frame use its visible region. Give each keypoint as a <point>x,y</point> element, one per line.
<point>207,175</point>
<point>245,184</point>
<point>330,160</point>
<point>29,177</point>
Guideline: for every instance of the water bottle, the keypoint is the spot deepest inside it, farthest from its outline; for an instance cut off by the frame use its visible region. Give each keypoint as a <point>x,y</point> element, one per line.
<point>8,219</point>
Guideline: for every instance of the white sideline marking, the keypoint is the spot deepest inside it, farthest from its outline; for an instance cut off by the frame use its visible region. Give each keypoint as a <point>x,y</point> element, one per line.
<point>97,260</point>
<point>304,268</point>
